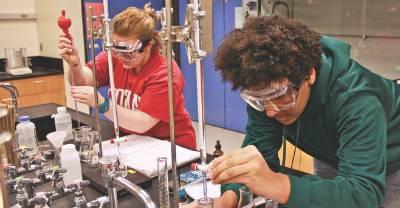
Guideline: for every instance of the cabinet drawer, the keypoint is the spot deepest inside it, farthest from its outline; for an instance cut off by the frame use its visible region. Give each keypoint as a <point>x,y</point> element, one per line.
<point>37,90</point>
<point>37,85</point>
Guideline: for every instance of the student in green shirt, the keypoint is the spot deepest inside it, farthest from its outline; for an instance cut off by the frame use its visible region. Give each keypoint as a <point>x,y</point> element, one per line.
<point>305,88</point>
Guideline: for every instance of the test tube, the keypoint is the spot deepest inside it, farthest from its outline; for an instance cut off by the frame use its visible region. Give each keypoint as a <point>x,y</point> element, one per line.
<point>163,182</point>
<point>205,202</point>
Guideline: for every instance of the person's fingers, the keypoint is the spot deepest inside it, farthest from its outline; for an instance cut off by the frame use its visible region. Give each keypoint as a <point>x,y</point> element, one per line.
<point>79,96</point>
<point>235,174</point>
<point>239,152</point>
<point>64,39</point>
<point>62,45</point>
<point>83,89</point>
<point>80,92</point>
<point>65,52</point>
<point>224,157</point>
<point>235,160</point>
<point>74,89</point>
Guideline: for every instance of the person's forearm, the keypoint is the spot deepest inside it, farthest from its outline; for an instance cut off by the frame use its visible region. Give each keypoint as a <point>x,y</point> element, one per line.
<point>79,75</point>
<point>229,199</point>
<point>133,120</point>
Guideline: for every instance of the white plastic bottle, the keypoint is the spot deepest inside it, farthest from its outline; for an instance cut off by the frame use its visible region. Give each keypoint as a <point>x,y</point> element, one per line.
<point>69,159</point>
<point>63,122</point>
<point>26,134</point>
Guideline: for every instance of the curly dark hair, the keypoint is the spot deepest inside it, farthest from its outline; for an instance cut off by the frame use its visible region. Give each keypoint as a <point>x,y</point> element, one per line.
<point>268,49</point>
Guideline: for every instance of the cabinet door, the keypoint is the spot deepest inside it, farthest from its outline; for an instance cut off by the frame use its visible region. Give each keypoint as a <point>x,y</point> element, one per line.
<point>223,108</point>
<point>37,90</point>
<point>235,107</point>
<point>214,93</point>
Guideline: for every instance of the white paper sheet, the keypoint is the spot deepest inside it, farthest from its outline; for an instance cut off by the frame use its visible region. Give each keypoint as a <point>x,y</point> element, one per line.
<point>142,153</point>
<point>195,191</point>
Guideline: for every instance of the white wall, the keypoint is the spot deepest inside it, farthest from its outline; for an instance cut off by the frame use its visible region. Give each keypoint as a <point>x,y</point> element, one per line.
<point>43,31</point>
<point>18,33</point>
<point>48,32</point>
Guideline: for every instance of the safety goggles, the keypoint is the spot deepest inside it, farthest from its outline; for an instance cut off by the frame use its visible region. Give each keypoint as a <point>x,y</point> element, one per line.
<point>280,97</point>
<point>127,49</point>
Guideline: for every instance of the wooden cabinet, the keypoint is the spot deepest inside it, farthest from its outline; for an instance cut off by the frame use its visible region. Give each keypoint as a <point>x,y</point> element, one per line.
<point>38,90</point>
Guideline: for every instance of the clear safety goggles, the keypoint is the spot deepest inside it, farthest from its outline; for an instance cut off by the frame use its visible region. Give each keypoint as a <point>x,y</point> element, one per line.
<point>127,49</point>
<point>279,97</point>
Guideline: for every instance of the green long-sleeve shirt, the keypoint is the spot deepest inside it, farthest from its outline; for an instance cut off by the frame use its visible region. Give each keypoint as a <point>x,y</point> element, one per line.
<point>351,121</point>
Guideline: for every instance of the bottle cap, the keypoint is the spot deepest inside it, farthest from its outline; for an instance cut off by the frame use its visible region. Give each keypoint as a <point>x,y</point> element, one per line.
<point>61,109</point>
<point>24,118</point>
<point>218,145</point>
<point>182,195</point>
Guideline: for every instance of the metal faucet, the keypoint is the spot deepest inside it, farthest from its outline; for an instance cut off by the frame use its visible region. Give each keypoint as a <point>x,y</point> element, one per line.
<point>25,191</point>
<point>12,90</point>
<point>79,199</point>
<point>42,199</point>
<point>22,196</point>
<point>25,162</point>
<point>58,183</point>
<point>113,179</point>
<point>98,203</point>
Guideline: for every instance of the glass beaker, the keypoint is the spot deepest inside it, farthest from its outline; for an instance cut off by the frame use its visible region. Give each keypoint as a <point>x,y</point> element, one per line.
<point>107,165</point>
<point>163,193</point>
<point>86,130</point>
<point>86,147</point>
<point>93,155</point>
<point>47,152</point>
<point>246,197</point>
<point>77,133</point>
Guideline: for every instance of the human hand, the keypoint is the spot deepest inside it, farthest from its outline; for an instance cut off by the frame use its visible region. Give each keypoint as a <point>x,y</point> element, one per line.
<point>247,166</point>
<point>85,94</point>
<point>67,51</point>
<point>227,200</point>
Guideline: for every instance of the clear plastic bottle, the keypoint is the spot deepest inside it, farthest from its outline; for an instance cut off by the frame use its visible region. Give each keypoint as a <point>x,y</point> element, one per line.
<point>26,134</point>
<point>69,158</point>
<point>63,122</point>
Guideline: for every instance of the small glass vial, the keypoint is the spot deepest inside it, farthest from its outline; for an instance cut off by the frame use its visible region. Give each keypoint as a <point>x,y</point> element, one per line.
<point>218,152</point>
<point>246,197</point>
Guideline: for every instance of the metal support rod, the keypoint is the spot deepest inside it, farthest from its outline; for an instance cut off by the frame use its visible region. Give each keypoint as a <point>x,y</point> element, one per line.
<point>110,68</point>
<point>171,102</point>
<point>199,83</point>
<point>200,92</point>
<point>112,194</point>
<point>364,20</point>
<point>96,97</point>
